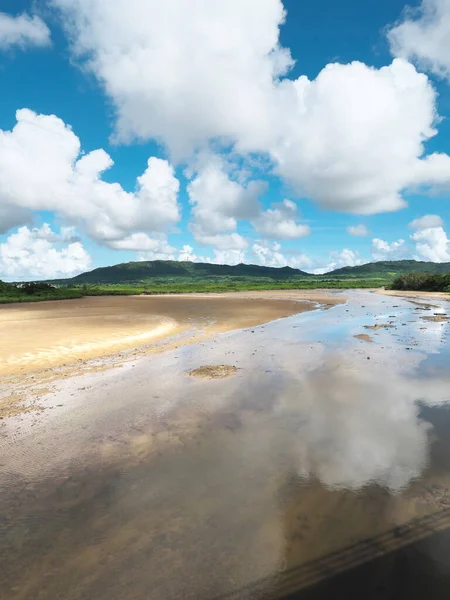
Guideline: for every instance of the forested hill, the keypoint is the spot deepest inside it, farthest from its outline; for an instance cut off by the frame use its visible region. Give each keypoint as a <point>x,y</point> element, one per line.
<point>148,271</point>
<point>134,272</point>
<point>391,268</point>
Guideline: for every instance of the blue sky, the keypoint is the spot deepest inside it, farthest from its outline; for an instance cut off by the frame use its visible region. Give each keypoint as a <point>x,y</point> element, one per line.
<point>253,157</point>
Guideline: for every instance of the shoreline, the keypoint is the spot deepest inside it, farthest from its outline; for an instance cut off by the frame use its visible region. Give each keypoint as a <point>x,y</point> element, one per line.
<point>69,331</point>
<point>414,294</point>
<point>28,378</point>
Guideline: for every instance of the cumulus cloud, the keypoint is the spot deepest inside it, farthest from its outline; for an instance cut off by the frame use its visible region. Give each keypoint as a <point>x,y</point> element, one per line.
<point>12,216</point>
<point>382,250</point>
<point>340,259</point>
<point>224,241</point>
<point>23,31</point>
<point>281,222</point>
<point>432,243</point>
<point>426,221</point>
<point>270,254</point>
<point>216,81</point>
<point>229,257</point>
<point>224,256</point>
<point>352,139</point>
<point>139,242</point>
<point>424,36</point>
<point>355,138</point>
<point>358,230</point>
<point>42,168</point>
<point>187,254</point>
<point>42,254</point>
<point>218,202</point>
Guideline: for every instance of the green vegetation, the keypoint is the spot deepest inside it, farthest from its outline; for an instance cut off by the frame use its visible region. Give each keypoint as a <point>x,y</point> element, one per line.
<point>170,277</point>
<point>424,282</point>
<point>156,270</point>
<point>390,269</point>
<point>222,285</point>
<point>35,292</point>
<point>159,272</point>
<point>38,292</point>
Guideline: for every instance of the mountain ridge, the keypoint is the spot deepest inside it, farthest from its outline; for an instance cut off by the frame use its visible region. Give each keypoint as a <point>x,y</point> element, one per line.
<point>133,272</point>
<point>137,272</point>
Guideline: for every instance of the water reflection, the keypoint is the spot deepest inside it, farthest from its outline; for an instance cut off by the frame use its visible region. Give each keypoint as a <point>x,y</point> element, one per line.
<point>310,464</point>
<point>359,427</point>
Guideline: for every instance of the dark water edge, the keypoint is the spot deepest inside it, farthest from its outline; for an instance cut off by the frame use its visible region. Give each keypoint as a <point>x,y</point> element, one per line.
<point>320,470</point>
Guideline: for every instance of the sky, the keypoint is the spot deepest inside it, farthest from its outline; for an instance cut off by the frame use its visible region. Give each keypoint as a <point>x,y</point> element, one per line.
<point>308,134</point>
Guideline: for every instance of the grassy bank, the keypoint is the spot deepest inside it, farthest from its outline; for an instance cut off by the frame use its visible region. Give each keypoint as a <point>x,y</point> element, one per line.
<point>10,293</point>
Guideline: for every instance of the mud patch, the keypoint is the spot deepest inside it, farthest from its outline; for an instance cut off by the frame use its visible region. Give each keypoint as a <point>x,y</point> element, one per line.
<point>379,326</point>
<point>364,337</point>
<point>437,318</point>
<point>213,372</point>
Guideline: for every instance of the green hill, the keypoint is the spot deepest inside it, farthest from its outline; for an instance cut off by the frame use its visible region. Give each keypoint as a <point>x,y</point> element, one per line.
<point>163,277</point>
<point>146,271</point>
<point>390,269</point>
<point>169,271</point>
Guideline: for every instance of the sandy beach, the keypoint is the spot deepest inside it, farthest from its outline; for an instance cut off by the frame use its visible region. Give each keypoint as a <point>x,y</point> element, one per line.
<point>49,334</point>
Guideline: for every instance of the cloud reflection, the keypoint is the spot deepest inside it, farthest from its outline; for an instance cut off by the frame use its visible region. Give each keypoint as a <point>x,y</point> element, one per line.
<point>362,426</point>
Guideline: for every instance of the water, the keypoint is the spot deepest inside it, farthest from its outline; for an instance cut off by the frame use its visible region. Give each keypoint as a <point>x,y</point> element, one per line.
<point>321,469</point>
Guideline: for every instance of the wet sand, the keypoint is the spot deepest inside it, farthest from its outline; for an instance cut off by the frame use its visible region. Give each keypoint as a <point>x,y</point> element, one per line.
<point>410,294</point>
<point>47,334</point>
<point>312,472</point>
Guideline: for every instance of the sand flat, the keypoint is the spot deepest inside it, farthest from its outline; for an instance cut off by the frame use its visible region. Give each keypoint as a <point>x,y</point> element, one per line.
<point>310,467</point>
<point>413,294</point>
<point>47,334</point>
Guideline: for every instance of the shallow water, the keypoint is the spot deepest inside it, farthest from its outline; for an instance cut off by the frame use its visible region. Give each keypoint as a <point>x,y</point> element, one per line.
<point>322,469</point>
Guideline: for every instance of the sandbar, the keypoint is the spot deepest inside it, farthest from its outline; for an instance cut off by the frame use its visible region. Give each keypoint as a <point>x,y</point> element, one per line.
<point>414,294</point>
<point>50,334</point>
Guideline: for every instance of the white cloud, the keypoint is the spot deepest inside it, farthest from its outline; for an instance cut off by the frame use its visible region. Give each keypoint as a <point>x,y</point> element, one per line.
<point>12,216</point>
<point>281,222</point>
<point>269,254</point>
<point>426,221</point>
<point>40,253</point>
<point>352,139</point>
<point>228,257</point>
<point>424,36</point>
<point>187,254</point>
<point>23,31</point>
<point>358,230</point>
<point>354,136</point>
<point>223,256</point>
<point>224,241</point>
<point>42,168</point>
<point>430,238</point>
<point>344,258</point>
<point>382,250</point>
<point>143,242</point>
<point>215,81</point>
<point>432,244</point>
<point>218,202</point>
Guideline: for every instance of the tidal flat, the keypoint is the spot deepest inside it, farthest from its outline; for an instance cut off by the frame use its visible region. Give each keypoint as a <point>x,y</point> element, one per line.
<point>318,467</point>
